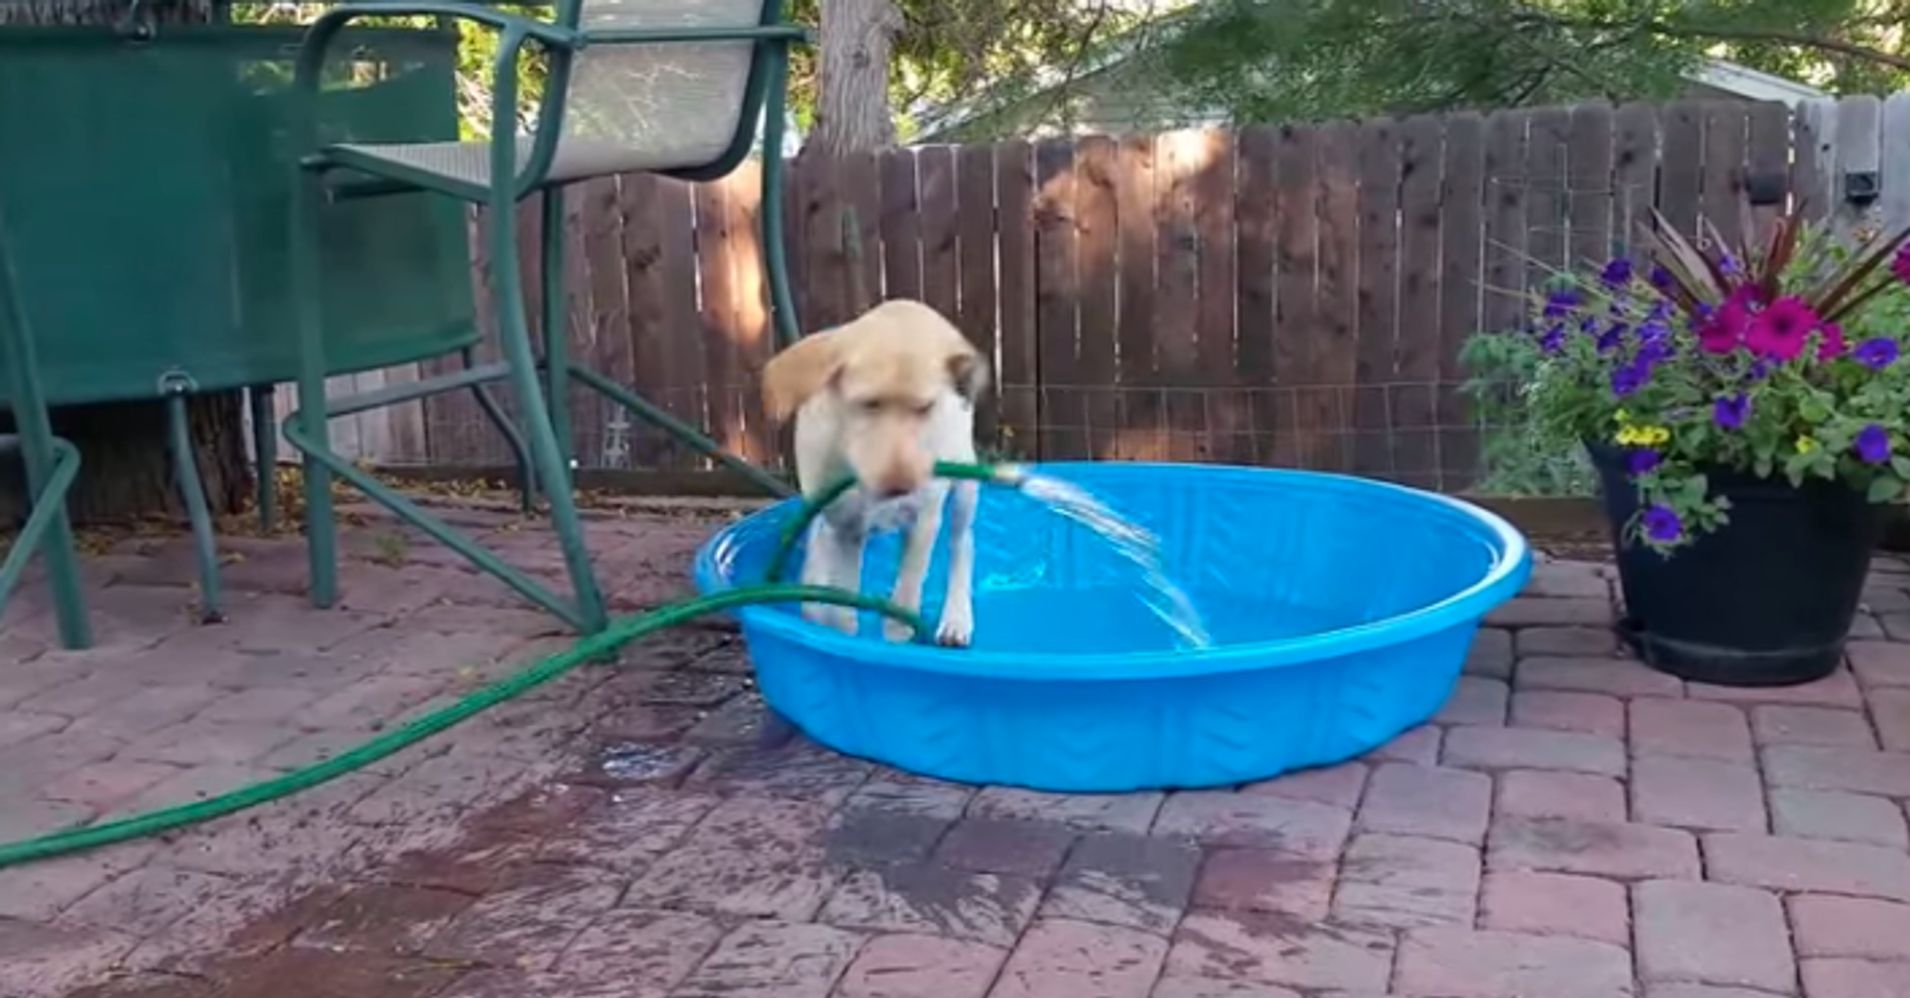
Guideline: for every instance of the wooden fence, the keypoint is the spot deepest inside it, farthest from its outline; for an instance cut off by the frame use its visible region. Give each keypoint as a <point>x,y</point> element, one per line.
<point>1291,295</point>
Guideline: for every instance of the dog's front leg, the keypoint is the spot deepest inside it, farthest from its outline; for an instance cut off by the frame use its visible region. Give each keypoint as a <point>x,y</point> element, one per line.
<point>916,555</point>
<point>957,627</point>
<point>833,558</point>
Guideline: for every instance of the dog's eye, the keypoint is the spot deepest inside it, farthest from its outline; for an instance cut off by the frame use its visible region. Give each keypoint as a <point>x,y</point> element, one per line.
<point>871,406</point>
<point>924,409</point>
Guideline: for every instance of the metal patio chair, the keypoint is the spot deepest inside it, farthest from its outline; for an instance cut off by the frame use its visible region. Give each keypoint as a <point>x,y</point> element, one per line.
<point>675,87</point>
<point>51,465</point>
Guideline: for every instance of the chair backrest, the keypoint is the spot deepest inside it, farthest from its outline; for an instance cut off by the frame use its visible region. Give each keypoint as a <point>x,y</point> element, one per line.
<point>659,105</point>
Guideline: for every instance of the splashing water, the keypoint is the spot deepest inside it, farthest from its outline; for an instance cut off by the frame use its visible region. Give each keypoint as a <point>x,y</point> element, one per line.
<point>1135,544</point>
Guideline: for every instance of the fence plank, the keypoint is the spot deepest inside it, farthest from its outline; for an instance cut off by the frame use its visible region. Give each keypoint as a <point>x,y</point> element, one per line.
<point>1097,241</point>
<point>640,200</point>
<point>859,188</point>
<point>1547,207</point>
<point>1415,344</point>
<point>1722,202</point>
<point>1681,165</point>
<point>680,333</point>
<point>1858,150</point>
<point>1503,303</point>
<point>749,290</point>
<point>608,318</point>
<point>1177,292</point>
<point>935,167</point>
<point>1063,425</point>
<point>1634,175</point>
<point>716,292</point>
<point>975,313</point>
<point>408,441</point>
<point>1378,297</point>
<point>1255,188</point>
<point>1014,200</point>
<point>1461,264</point>
<point>1291,410</point>
<point>1894,159</point>
<point>1589,184</point>
<point>901,226</point>
<point>825,295</point>
<point>1142,430</point>
<point>1337,353</point>
<point>1768,163</point>
<point>1227,415</point>
<point>1814,138</point>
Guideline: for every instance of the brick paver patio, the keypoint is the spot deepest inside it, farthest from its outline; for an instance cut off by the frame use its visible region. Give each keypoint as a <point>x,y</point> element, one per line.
<point>1572,825</point>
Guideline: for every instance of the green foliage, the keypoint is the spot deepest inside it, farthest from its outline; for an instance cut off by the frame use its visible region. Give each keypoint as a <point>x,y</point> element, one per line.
<point>1270,60</point>
<point>1775,360</point>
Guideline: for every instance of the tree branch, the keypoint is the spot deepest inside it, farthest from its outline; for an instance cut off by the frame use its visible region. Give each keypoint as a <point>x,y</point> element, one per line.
<point>1851,49</point>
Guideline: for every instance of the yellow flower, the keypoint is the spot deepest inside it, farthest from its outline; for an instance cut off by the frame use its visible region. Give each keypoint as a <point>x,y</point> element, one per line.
<point>1806,444</point>
<point>1644,436</point>
<point>1621,417</point>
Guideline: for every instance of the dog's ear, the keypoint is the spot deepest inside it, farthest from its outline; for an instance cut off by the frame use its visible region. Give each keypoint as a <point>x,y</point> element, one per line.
<point>968,372</point>
<point>798,373</point>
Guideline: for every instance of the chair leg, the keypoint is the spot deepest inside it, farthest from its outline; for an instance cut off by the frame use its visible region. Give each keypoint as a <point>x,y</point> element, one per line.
<point>265,454</point>
<point>321,534</point>
<point>50,465</point>
<point>48,530</point>
<point>193,492</point>
<point>548,451</point>
<point>526,478</point>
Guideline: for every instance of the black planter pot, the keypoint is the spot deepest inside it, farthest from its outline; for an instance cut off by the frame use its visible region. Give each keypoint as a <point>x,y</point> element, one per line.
<point>1764,601</point>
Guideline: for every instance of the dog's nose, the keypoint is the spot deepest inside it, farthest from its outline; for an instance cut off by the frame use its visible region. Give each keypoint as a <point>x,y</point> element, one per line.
<point>894,490</point>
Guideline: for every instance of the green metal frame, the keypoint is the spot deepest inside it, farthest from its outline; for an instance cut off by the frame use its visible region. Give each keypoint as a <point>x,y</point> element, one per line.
<point>51,466</point>
<point>542,386</point>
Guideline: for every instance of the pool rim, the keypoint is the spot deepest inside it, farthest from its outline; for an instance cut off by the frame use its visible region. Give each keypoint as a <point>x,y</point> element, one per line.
<point>1504,577</point>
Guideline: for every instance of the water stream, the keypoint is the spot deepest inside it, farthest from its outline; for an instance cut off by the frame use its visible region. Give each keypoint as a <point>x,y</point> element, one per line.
<point>1135,544</point>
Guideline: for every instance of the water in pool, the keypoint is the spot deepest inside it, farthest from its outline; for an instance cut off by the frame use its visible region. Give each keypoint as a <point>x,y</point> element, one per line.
<point>1120,619</point>
<point>1160,595</point>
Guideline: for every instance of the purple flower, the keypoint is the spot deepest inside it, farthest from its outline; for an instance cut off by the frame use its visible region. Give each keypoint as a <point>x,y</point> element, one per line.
<point>1617,272</point>
<point>1873,444</point>
<point>1760,369</point>
<point>1554,338</point>
<point>1662,524</point>
<point>1561,303</point>
<point>1660,278</point>
<point>1630,378</point>
<point>1612,338</point>
<point>1729,264</point>
<point>1729,413</point>
<point>1641,461</point>
<point>1877,353</point>
<point>1659,312</point>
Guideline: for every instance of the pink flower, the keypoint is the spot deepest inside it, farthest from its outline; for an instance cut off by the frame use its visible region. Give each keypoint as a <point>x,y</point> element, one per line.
<point>1780,332</point>
<point>1727,326</point>
<point>1901,265</point>
<point>1830,341</point>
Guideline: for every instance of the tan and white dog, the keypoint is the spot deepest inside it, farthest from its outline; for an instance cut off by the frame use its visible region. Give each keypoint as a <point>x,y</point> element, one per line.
<point>884,397</point>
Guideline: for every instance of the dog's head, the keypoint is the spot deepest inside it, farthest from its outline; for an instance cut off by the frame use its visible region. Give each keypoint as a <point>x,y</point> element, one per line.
<point>889,373</point>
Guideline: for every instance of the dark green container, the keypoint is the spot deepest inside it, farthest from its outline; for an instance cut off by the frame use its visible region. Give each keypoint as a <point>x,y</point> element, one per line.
<point>147,186</point>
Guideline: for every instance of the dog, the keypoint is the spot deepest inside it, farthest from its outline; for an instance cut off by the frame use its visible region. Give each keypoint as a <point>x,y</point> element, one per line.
<point>883,397</point>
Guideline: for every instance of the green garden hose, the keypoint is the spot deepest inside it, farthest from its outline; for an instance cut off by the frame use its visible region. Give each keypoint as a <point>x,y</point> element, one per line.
<point>995,474</point>
<point>587,649</point>
<point>595,646</point>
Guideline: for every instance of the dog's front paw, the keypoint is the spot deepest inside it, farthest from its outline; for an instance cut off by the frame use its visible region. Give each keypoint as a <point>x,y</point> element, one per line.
<point>841,618</point>
<point>957,627</point>
<point>896,630</point>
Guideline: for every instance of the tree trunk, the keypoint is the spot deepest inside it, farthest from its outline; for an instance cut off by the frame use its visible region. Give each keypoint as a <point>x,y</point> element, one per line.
<point>853,112</point>
<point>126,470</point>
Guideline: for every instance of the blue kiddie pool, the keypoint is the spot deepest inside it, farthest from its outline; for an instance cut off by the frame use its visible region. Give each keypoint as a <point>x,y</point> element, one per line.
<point>1339,609</point>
